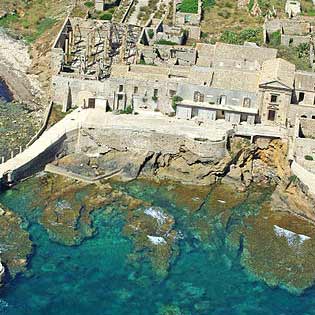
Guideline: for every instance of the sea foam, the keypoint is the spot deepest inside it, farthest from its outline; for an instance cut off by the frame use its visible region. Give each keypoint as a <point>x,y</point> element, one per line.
<point>292,238</point>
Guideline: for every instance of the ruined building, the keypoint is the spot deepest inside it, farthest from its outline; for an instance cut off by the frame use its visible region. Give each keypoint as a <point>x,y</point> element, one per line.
<point>114,66</point>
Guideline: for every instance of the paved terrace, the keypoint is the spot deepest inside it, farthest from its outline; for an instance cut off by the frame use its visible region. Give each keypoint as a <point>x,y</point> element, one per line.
<point>95,118</point>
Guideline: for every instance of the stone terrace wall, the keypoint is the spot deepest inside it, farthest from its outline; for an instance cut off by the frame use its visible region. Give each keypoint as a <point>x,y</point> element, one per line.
<point>124,139</point>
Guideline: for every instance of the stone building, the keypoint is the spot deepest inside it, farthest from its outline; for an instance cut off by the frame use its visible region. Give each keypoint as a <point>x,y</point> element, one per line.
<point>292,8</point>
<point>293,32</point>
<point>107,65</point>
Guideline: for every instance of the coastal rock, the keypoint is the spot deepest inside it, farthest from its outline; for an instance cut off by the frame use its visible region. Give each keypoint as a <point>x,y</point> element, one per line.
<point>15,245</point>
<point>154,238</point>
<point>67,212</point>
<point>278,248</point>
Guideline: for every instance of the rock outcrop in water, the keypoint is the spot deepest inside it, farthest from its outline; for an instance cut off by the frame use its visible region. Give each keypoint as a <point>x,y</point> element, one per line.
<point>15,245</point>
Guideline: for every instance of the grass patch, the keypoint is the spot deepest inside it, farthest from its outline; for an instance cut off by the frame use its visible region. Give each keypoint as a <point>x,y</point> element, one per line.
<point>189,6</point>
<point>246,35</point>
<point>8,20</point>
<point>222,15</point>
<point>42,26</point>
<point>165,42</point>
<point>89,4</point>
<point>275,39</point>
<point>296,55</point>
<point>106,16</point>
<point>32,18</point>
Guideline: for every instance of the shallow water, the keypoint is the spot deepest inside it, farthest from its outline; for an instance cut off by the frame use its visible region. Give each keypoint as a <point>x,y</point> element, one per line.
<point>96,277</point>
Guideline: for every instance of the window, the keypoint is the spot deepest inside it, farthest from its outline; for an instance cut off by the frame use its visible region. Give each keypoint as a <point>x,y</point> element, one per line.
<point>91,103</point>
<point>301,97</point>
<point>222,100</point>
<point>274,98</point>
<point>194,112</point>
<point>246,102</point>
<point>201,98</point>
<point>155,92</point>
<point>271,115</point>
<point>196,96</point>
<point>313,117</point>
<point>135,90</point>
<point>121,88</point>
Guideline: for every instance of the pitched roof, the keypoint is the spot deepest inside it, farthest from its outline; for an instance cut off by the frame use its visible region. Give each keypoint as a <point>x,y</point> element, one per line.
<point>236,80</point>
<point>243,53</point>
<point>304,81</point>
<point>277,70</point>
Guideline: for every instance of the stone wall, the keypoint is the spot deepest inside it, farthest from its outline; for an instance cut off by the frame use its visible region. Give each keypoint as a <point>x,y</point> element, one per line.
<point>307,127</point>
<point>38,163</point>
<point>294,40</point>
<point>234,98</point>
<point>300,111</point>
<point>137,140</point>
<point>136,92</point>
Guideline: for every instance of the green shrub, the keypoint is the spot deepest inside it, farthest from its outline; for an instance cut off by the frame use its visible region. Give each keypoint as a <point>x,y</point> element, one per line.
<point>89,4</point>
<point>165,42</point>
<point>189,6</point>
<point>293,179</point>
<point>106,16</point>
<point>229,37</point>
<point>128,110</point>
<point>175,100</point>
<point>150,33</point>
<point>303,50</point>
<point>251,35</point>
<point>155,98</point>
<point>42,26</point>
<point>247,35</point>
<point>250,5</point>
<point>308,158</point>
<point>275,39</point>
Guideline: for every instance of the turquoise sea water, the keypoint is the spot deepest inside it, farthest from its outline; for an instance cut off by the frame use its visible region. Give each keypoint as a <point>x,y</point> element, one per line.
<point>96,278</point>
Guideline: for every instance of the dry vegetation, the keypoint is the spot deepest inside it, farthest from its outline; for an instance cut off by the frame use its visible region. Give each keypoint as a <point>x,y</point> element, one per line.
<point>38,23</point>
<point>225,15</point>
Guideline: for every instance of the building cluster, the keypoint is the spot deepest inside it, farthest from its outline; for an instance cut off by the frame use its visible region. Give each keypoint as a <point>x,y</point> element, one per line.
<point>117,65</point>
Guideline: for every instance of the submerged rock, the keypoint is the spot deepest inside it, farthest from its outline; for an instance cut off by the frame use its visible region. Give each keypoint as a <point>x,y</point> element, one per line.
<point>15,245</point>
<point>151,230</point>
<point>278,248</point>
<point>68,206</point>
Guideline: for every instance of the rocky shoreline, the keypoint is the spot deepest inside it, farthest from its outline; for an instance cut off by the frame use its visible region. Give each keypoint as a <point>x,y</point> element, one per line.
<point>15,71</point>
<point>264,162</point>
